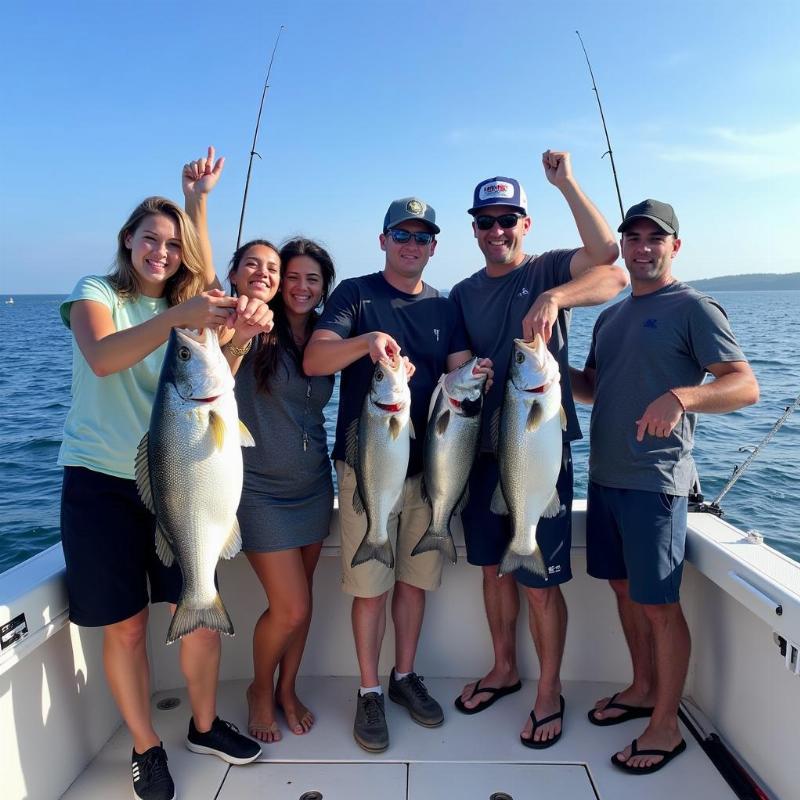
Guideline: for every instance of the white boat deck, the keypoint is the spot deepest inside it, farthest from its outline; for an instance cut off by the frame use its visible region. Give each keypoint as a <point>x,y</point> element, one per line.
<point>469,757</point>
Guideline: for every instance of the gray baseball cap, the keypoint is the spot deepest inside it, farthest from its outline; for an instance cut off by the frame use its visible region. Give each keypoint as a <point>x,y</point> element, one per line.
<point>408,208</point>
<point>662,214</point>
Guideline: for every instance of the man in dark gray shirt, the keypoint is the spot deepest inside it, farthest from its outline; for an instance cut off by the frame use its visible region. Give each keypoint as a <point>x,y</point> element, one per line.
<point>522,295</point>
<point>644,373</point>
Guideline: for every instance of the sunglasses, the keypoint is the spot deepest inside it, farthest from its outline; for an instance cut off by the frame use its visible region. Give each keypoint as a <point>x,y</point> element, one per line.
<point>485,222</point>
<point>402,237</point>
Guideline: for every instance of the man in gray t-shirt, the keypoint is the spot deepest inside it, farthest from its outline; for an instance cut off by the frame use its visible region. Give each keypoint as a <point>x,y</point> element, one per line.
<point>520,295</point>
<point>649,356</point>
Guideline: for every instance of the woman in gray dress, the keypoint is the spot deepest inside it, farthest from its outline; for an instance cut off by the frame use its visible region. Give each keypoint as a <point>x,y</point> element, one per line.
<point>287,496</point>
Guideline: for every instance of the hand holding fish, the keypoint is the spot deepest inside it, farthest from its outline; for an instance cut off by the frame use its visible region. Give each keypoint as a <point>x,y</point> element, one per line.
<point>252,316</point>
<point>382,346</point>
<point>210,309</point>
<point>540,318</point>
<point>201,176</point>
<point>410,368</point>
<point>485,367</point>
<point>660,417</point>
<point>557,168</point>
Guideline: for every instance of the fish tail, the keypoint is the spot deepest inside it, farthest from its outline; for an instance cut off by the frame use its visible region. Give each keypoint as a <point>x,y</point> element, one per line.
<point>185,620</point>
<point>513,561</point>
<point>434,539</point>
<point>368,551</point>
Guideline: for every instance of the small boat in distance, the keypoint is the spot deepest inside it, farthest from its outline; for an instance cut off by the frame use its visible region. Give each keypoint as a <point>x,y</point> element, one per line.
<point>10,301</point>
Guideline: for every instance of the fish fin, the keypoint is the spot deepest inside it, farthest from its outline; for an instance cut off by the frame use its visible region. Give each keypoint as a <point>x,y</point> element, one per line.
<point>563,418</point>
<point>433,540</point>
<point>498,504</point>
<point>512,561</point>
<point>442,422</point>
<point>423,490</point>
<point>217,426</point>
<point>164,548</point>
<point>245,437</point>
<point>412,433</point>
<point>233,544</point>
<point>351,443</point>
<point>494,430</point>
<point>142,472</point>
<point>378,552</point>
<point>395,427</point>
<point>461,504</point>
<point>358,501</point>
<point>534,417</point>
<point>434,397</point>
<point>553,508</point>
<point>185,620</point>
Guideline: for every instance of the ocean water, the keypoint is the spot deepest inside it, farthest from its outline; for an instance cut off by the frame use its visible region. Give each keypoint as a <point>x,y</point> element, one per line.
<point>35,396</point>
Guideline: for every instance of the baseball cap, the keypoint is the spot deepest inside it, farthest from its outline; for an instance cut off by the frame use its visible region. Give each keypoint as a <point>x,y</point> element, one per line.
<point>661,213</point>
<point>499,191</point>
<point>408,208</point>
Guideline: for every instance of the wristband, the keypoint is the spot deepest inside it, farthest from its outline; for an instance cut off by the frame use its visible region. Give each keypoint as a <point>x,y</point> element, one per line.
<point>680,402</point>
<point>239,352</point>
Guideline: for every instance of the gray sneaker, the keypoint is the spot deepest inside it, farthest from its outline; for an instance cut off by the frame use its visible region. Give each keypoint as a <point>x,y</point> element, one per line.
<point>370,729</point>
<point>411,693</point>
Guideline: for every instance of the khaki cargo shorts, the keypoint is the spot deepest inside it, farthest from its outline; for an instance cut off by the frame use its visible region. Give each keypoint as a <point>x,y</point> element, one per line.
<point>407,523</point>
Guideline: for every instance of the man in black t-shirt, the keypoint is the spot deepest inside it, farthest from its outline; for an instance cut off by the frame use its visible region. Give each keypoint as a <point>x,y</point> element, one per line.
<point>516,295</point>
<point>384,315</point>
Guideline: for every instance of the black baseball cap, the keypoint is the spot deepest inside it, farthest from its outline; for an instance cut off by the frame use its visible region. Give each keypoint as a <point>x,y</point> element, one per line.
<point>662,214</point>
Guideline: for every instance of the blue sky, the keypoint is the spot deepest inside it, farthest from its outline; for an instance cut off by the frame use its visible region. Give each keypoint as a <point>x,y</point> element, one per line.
<point>103,102</point>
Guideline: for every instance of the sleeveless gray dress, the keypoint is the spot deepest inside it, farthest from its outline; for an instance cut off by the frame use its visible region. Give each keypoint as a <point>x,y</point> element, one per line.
<point>287,497</point>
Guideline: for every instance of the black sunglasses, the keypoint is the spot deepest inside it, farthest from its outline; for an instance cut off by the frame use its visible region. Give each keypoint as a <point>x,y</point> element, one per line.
<point>402,237</point>
<point>485,222</point>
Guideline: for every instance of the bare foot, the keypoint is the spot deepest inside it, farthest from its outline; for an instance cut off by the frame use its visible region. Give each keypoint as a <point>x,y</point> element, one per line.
<point>494,680</point>
<point>261,722</point>
<point>652,739</point>
<point>627,697</point>
<point>298,717</point>
<point>544,706</point>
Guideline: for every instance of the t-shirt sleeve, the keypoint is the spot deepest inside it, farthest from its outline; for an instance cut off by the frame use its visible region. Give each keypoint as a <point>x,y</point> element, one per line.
<point>92,287</point>
<point>459,340</point>
<point>711,339</point>
<point>341,311</point>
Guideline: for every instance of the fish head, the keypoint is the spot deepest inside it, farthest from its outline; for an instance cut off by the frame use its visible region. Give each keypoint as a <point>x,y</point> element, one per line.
<point>195,366</point>
<point>463,388</point>
<point>389,388</point>
<point>533,367</point>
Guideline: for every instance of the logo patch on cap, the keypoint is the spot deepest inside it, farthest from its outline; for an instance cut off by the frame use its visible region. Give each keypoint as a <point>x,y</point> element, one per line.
<point>415,207</point>
<point>496,189</point>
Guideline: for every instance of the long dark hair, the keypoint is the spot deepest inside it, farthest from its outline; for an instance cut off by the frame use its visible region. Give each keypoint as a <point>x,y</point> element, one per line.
<point>267,356</point>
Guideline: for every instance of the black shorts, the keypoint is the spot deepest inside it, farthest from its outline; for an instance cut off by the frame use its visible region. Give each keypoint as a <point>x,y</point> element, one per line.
<point>108,538</point>
<point>487,534</point>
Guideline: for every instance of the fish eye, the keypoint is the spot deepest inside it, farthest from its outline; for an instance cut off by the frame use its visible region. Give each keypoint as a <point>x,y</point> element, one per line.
<point>519,358</point>
<point>184,353</point>
<point>379,376</point>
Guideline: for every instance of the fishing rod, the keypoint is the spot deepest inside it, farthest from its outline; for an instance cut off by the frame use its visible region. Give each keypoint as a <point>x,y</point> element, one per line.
<point>255,138</point>
<point>713,507</point>
<point>608,152</point>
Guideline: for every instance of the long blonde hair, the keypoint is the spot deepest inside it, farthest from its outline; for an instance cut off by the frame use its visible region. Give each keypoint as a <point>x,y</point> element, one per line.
<point>188,281</point>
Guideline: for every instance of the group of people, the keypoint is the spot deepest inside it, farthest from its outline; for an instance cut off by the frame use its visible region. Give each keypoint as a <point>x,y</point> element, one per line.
<point>284,338</point>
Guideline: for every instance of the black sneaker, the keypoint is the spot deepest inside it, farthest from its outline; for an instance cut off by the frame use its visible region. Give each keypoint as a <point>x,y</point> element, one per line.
<point>370,729</point>
<point>151,778</point>
<point>411,693</point>
<point>223,740</point>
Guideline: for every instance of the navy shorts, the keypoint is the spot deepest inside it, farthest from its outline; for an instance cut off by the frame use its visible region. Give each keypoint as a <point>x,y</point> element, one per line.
<point>487,534</point>
<point>639,536</point>
<point>109,549</point>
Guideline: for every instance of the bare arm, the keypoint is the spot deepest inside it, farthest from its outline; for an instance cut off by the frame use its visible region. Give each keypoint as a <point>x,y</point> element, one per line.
<point>327,353</point>
<point>599,243</point>
<point>108,350</point>
<point>734,386</point>
<point>592,287</point>
<point>582,382</point>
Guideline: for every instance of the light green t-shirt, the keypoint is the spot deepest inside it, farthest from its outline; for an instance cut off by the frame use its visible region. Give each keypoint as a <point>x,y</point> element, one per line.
<point>109,415</point>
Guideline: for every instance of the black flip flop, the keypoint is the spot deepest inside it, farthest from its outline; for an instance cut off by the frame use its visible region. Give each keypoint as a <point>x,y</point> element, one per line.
<point>630,712</point>
<point>666,757</point>
<point>537,723</point>
<point>496,694</point>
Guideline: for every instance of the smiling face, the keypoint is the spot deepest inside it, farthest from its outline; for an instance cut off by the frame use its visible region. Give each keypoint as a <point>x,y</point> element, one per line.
<point>257,273</point>
<point>648,252</point>
<point>301,286</point>
<point>407,261</point>
<point>502,247</point>
<point>155,249</point>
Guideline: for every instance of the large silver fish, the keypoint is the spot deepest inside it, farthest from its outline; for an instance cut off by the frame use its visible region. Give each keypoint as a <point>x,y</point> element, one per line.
<point>452,439</point>
<point>189,474</point>
<point>378,445</point>
<point>529,452</point>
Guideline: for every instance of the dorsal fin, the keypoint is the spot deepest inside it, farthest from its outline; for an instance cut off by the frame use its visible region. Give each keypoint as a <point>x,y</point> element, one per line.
<point>351,443</point>
<point>142,472</point>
